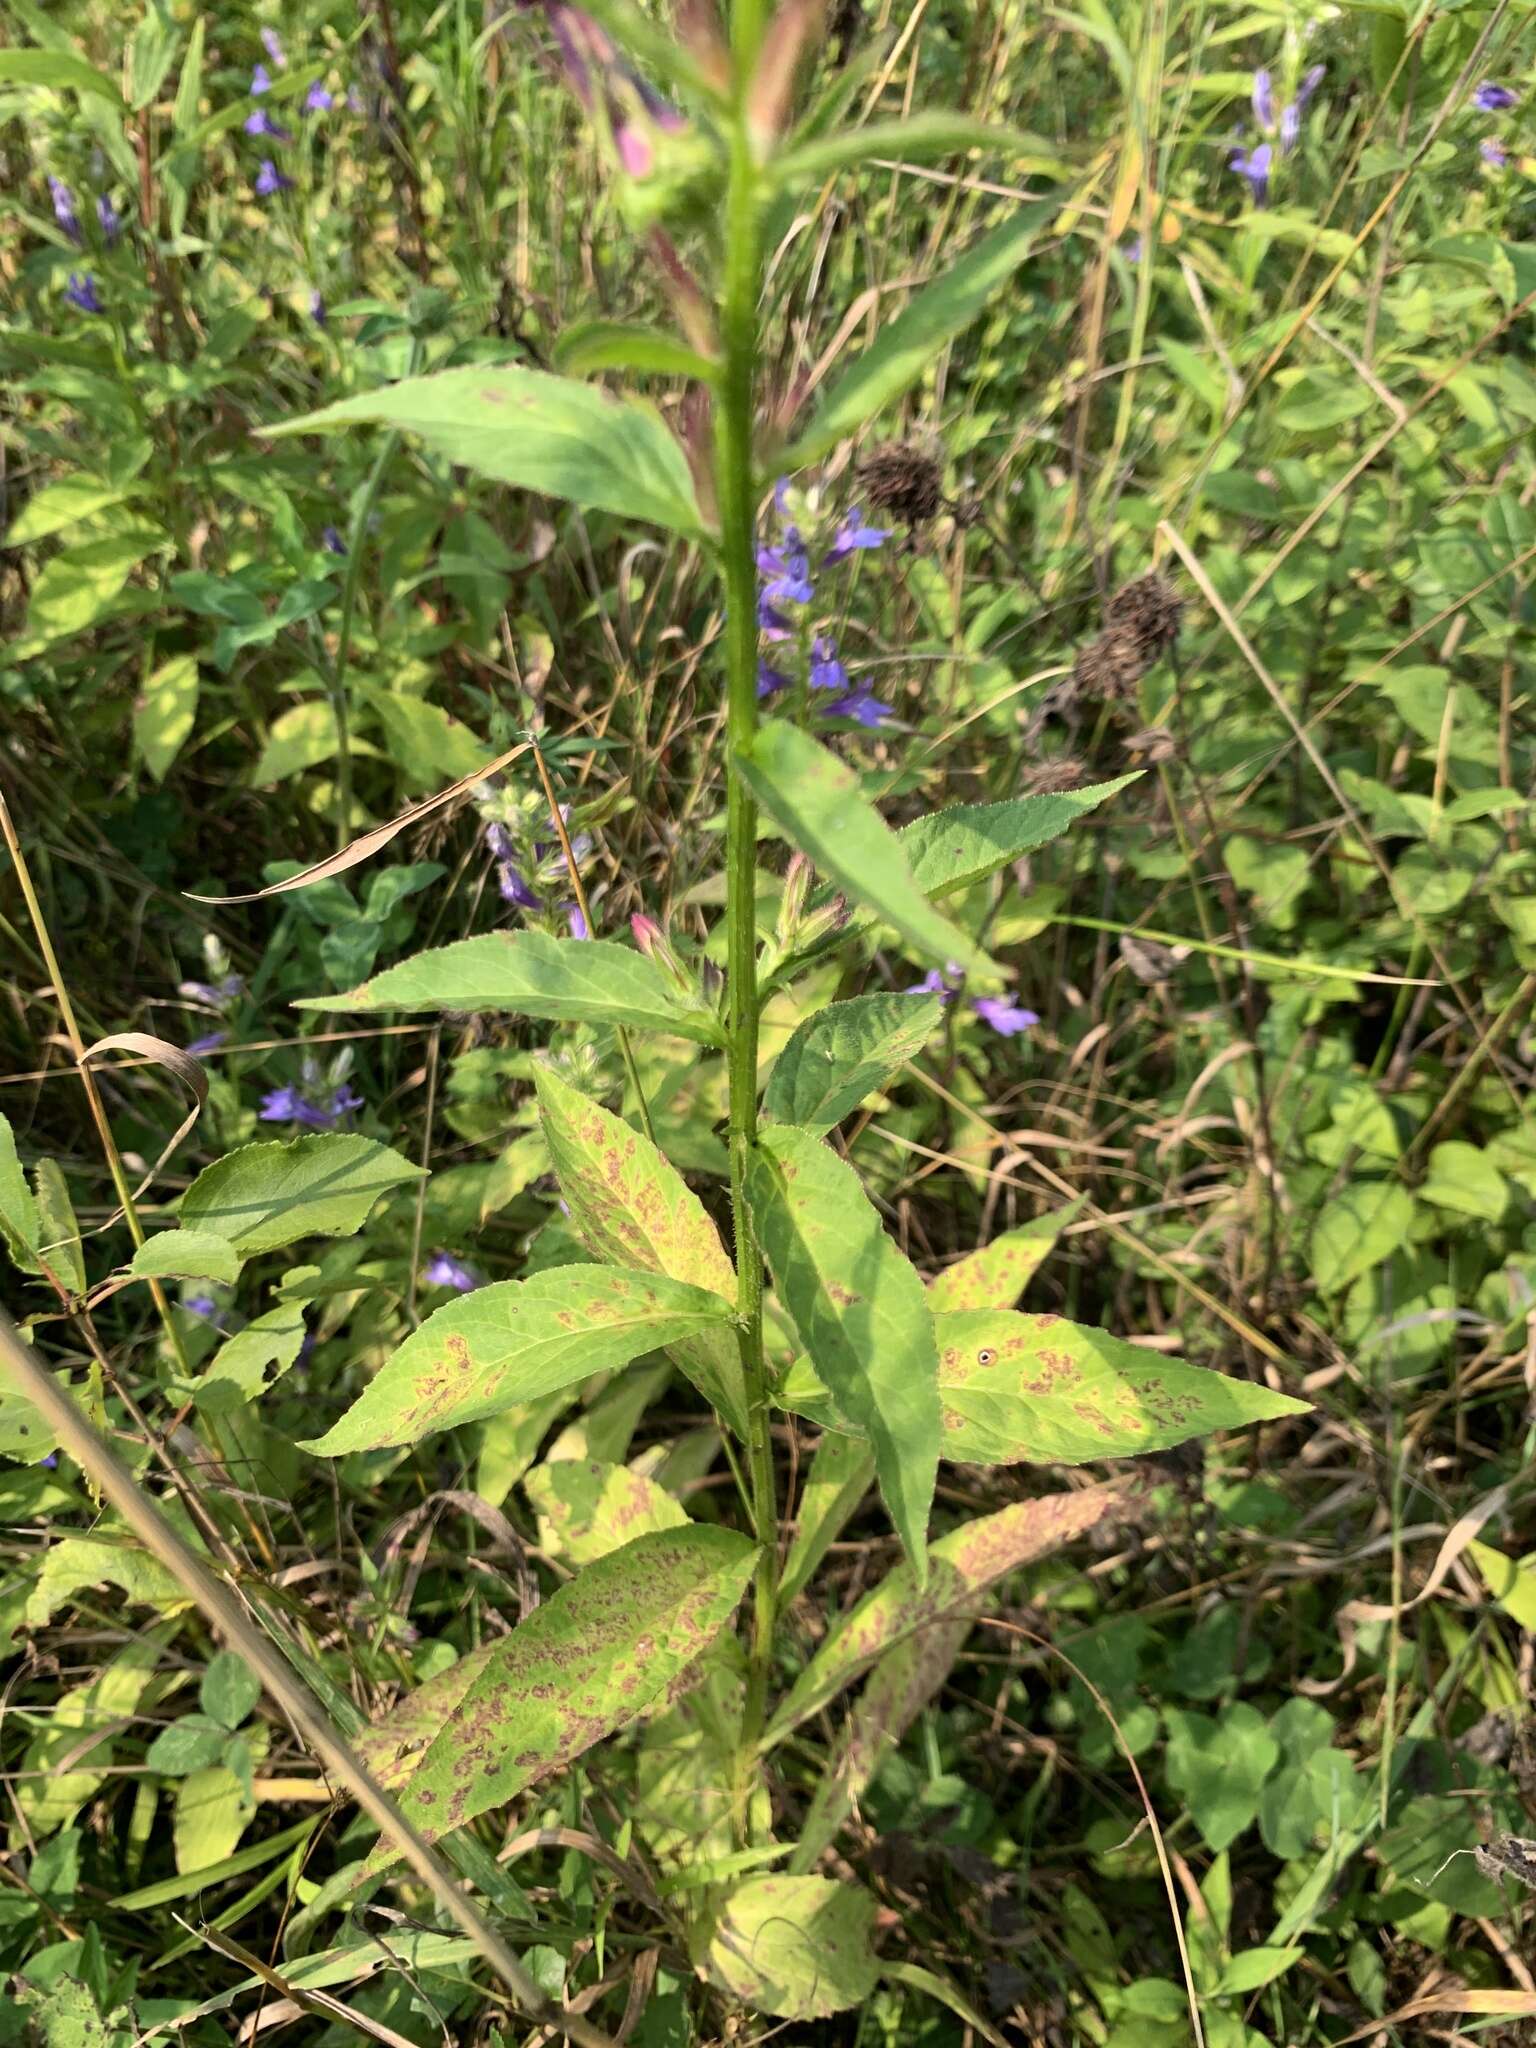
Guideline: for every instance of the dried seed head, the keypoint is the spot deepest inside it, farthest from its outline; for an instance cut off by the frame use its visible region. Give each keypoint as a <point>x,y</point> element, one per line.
<point>1112,665</point>
<point>1050,778</point>
<point>1150,609</point>
<point>904,479</point>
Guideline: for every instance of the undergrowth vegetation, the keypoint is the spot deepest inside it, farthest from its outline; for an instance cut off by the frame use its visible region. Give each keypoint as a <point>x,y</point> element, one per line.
<point>770,1203</point>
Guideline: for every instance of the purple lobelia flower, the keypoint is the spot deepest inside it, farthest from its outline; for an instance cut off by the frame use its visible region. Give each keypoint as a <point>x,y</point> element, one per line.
<point>1492,98</point>
<point>786,572</point>
<point>1254,166</point>
<point>81,292</point>
<point>499,840</point>
<point>932,984</point>
<point>270,179</point>
<point>215,993</point>
<point>331,541</point>
<point>1493,154</point>
<point>209,1042</point>
<point>1007,1019</point>
<point>771,621</point>
<point>262,123</point>
<point>317,311</point>
<point>827,672</point>
<point>770,680</point>
<point>862,707</point>
<point>444,1270</point>
<point>514,889</point>
<point>293,1106</point>
<point>261,81</point>
<point>110,219</point>
<point>1264,101</point>
<point>272,43</point>
<point>317,100</point>
<point>64,208</point>
<point>203,1306</point>
<point>576,924</point>
<point>853,534</point>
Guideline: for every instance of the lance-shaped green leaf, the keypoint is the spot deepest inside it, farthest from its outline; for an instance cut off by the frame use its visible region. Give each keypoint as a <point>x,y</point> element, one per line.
<point>615,345</point>
<point>922,138</point>
<point>588,1508</point>
<point>514,1341</point>
<point>908,345</point>
<point>795,1947</point>
<point>554,435</point>
<point>59,1244</point>
<point>186,1255</point>
<point>266,1196</point>
<point>530,974</point>
<point>961,1566</point>
<point>631,1207</point>
<point>997,1274</point>
<point>841,1473</point>
<point>860,1310</point>
<point>845,1052</point>
<point>816,798</point>
<point>18,1205</point>
<point>56,68</point>
<point>1018,1389</point>
<point>1040,1388</point>
<point>598,1653</point>
<point>949,850</point>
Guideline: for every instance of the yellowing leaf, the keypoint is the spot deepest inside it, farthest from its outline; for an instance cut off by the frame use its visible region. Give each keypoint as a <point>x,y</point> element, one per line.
<point>997,1274</point>
<point>164,713</point>
<point>1512,1585</point>
<point>795,1947</point>
<point>588,1508</point>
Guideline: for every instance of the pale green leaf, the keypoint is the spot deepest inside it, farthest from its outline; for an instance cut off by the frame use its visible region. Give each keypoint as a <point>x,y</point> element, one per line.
<point>212,1808</point>
<point>997,1274</point>
<point>961,1565</point>
<point>228,1691</point>
<point>301,737</point>
<point>593,345</point>
<point>598,1653</point>
<point>907,347</point>
<point>842,1472</point>
<point>266,1196</point>
<point>102,1559</point>
<point>922,138</point>
<point>1357,1230</point>
<point>1220,1767</point>
<point>65,1762</point>
<point>1512,1584</point>
<point>253,1360</point>
<point>797,1948</point>
<point>58,506</point>
<point>189,1744</point>
<point>816,798</point>
<point>513,1342</point>
<point>58,1231</point>
<point>429,745</point>
<point>1253,1968</point>
<point>530,974</point>
<point>164,713</point>
<point>80,586</point>
<point>844,1053</point>
<point>554,435</point>
<point>186,1255</point>
<point>57,69</point>
<point>1463,1179</point>
<point>951,849</point>
<point>588,1508</point>
<point>630,1207</point>
<point>859,1308</point>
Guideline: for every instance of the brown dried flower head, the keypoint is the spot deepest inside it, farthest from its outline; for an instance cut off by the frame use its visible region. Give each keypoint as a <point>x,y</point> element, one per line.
<point>904,480</point>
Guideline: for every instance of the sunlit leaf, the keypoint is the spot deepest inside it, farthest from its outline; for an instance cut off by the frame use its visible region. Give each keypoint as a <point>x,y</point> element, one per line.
<point>950,849</point>
<point>265,1196</point>
<point>588,1508</point>
<point>164,713</point>
<point>795,1947</point>
<point>997,1274</point>
<point>845,1052</point>
<point>186,1255</point>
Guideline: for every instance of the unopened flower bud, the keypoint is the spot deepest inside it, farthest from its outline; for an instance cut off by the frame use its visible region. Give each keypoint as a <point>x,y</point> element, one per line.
<point>798,877</point>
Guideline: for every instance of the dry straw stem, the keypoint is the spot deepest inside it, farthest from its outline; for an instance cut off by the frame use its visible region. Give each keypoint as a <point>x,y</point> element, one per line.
<point>102,1468</point>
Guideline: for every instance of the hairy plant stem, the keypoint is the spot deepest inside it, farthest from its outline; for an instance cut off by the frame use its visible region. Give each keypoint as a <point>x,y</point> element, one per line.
<point>737,497</point>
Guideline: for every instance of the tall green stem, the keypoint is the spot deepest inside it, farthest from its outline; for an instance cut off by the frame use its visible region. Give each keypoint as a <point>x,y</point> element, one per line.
<point>737,496</point>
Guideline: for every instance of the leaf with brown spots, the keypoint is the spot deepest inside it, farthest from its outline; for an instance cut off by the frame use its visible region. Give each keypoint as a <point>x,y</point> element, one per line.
<point>961,1566</point>
<point>595,1656</point>
<point>860,1311</point>
<point>531,974</point>
<point>631,1206</point>
<point>514,1341</point>
<point>587,1508</point>
<point>795,1947</point>
<point>1018,1387</point>
<point>997,1274</point>
<point>845,1052</point>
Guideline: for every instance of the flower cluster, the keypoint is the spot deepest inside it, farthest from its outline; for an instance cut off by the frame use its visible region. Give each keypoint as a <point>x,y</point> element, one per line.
<point>264,125</point>
<point>444,1270</point>
<point>532,874</point>
<point>1004,1016</point>
<point>1283,127</point>
<point>320,1102</point>
<point>1493,98</point>
<point>219,991</point>
<point>786,594</point>
<point>80,291</point>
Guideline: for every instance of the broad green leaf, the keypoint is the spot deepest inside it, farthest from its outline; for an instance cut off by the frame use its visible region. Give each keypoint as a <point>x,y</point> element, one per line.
<point>961,1565</point>
<point>514,1341</point>
<point>1253,1968</point>
<point>186,1255</point>
<point>228,1691</point>
<point>860,1310</point>
<point>164,713</point>
<point>1220,1767</point>
<point>997,1274</point>
<point>80,586</point>
<point>301,737</point>
<point>1038,1389</point>
<point>253,1360</point>
<point>845,1052</point>
<point>598,1653</point>
<point>58,506</point>
<point>530,974</point>
<point>1357,1230</point>
<point>922,138</point>
<point>842,1472</point>
<point>1465,1180</point>
<point>587,1508</point>
<point>907,346</point>
<point>429,745</point>
<point>554,435</point>
<point>189,1744</point>
<point>614,345</point>
<point>18,1205</point>
<point>1512,1584</point>
<point>797,1948</point>
<point>816,798</point>
<point>57,69</point>
<point>102,1559</point>
<point>212,1808</point>
<point>510,1441</point>
<point>951,849</point>
<point>265,1196</point>
<point>58,1231</point>
<point>630,1207</point>
<point>63,1766</point>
